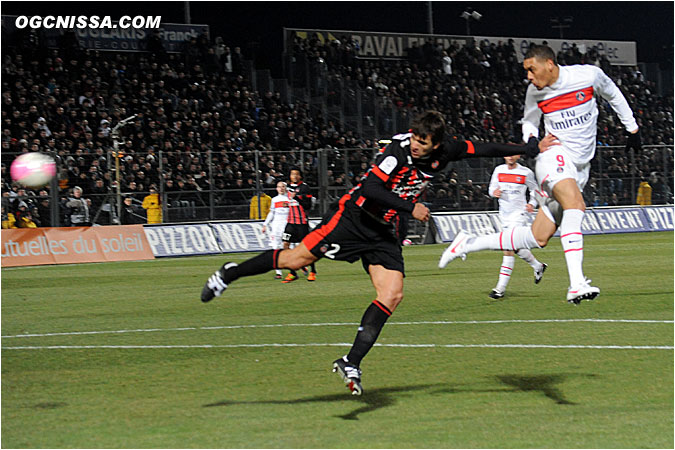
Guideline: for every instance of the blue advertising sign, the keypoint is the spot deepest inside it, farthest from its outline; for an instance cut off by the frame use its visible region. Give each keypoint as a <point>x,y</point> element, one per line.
<point>448,225</point>
<point>660,218</point>
<point>620,220</point>
<point>240,236</point>
<point>181,240</point>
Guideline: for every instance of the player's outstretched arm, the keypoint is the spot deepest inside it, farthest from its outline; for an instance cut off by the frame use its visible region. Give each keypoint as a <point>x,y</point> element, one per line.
<point>494,149</point>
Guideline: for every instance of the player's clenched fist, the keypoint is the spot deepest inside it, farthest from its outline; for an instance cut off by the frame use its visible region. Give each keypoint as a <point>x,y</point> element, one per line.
<point>421,212</point>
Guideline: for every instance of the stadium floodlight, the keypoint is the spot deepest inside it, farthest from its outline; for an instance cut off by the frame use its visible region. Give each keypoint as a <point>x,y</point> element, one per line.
<point>469,15</point>
<point>561,23</point>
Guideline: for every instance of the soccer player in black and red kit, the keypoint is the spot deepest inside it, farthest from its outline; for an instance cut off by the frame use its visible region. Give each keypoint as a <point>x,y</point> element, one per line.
<point>298,226</point>
<point>363,226</point>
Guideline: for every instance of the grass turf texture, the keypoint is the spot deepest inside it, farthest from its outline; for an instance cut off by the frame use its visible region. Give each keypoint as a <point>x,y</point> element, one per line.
<point>287,396</point>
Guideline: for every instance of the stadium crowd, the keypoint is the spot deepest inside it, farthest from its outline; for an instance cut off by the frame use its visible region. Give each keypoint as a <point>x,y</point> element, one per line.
<point>198,108</point>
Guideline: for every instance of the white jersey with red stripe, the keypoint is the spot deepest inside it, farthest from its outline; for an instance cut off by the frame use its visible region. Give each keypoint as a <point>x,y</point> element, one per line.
<point>514,184</point>
<point>570,110</point>
<point>278,216</point>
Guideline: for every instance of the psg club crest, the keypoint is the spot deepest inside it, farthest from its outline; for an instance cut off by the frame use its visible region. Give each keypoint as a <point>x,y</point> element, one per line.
<point>581,96</point>
<point>560,170</point>
<point>324,248</point>
<point>435,164</point>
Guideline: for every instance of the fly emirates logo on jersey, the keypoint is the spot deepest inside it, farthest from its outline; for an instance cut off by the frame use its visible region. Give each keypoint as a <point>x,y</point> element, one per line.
<point>569,110</point>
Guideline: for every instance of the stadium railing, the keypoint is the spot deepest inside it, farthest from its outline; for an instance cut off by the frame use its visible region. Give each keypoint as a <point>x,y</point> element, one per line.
<point>330,173</point>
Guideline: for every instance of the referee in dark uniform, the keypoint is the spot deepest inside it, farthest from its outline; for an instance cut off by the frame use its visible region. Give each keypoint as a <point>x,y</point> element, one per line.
<point>364,225</point>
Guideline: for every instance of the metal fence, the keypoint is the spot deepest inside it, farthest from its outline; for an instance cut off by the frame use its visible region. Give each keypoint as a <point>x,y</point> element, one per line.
<point>214,193</point>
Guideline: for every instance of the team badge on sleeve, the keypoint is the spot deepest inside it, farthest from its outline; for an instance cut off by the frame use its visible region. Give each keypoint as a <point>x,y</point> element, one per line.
<point>388,164</point>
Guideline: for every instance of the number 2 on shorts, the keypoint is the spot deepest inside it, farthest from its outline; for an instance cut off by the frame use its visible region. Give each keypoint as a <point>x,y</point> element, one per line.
<point>334,248</point>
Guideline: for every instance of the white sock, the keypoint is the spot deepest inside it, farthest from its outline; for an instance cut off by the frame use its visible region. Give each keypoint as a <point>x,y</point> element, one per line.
<point>529,258</point>
<point>505,272</point>
<point>279,272</point>
<point>572,241</point>
<point>513,239</point>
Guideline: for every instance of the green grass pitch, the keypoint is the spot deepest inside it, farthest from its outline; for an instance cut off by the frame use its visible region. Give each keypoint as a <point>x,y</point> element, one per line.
<point>125,355</point>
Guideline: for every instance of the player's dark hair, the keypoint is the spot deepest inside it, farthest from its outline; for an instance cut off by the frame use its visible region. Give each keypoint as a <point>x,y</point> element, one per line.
<point>299,171</point>
<point>541,52</point>
<point>429,123</point>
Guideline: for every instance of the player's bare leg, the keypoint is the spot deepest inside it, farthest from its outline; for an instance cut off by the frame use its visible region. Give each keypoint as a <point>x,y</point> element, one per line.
<point>389,288</point>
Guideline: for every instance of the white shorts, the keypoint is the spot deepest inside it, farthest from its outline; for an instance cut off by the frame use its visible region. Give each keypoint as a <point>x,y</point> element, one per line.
<point>513,220</point>
<point>276,242</point>
<point>552,166</point>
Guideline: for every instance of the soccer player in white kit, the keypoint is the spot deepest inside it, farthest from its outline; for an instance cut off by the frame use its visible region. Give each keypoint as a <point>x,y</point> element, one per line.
<point>509,183</point>
<point>276,220</point>
<point>565,96</point>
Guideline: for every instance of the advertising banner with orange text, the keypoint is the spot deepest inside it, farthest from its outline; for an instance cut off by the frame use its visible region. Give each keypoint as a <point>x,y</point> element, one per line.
<point>37,246</point>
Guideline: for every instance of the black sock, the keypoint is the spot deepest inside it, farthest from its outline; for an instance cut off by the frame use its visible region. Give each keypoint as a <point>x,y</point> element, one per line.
<point>293,272</point>
<point>373,320</point>
<point>313,270</point>
<point>262,263</point>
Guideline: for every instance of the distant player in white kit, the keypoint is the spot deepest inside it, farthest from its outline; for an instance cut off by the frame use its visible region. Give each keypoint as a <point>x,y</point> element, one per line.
<point>510,183</point>
<point>276,221</point>
<point>565,96</point>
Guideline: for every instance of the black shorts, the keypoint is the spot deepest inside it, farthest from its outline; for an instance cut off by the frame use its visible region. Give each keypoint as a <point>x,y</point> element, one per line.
<point>295,232</point>
<point>349,233</point>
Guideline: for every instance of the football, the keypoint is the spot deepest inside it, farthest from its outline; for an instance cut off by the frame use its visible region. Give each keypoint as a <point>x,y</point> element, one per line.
<point>33,170</point>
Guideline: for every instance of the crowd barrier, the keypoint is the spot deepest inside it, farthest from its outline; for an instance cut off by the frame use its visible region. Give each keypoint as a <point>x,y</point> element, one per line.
<point>23,247</point>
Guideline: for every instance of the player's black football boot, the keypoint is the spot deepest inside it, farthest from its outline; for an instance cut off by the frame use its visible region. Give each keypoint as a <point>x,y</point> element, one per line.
<point>216,285</point>
<point>350,374</point>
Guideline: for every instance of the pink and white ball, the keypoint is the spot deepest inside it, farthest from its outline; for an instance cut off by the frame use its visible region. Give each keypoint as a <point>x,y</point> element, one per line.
<point>33,170</point>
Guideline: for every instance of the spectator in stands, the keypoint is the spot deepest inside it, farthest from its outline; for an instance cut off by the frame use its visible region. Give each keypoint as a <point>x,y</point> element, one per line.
<point>260,212</point>
<point>44,209</point>
<point>644,194</point>
<point>77,209</point>
<point>8,219</point>
<point>131,214</point>
<point>153,206</point>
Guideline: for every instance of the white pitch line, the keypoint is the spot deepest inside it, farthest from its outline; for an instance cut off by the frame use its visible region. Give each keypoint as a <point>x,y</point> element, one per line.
<point>283,325</point>
<point>344,344</point>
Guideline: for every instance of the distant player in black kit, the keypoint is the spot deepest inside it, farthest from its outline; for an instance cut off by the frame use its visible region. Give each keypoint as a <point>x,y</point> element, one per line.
<point>363,225</point>
<point>298,226</point>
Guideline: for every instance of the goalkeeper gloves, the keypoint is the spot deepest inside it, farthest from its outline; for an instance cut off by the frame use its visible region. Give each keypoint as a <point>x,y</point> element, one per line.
<point>634,141</point>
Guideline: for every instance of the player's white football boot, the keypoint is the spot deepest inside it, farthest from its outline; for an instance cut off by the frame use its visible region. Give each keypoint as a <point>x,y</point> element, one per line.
<point>216,285</point>
<point>539,274</point>
<point>456,249</point>
<point>581,292</point>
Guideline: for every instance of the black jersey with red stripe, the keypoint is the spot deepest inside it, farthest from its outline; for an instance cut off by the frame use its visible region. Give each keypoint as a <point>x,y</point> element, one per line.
<point>396,181</point>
